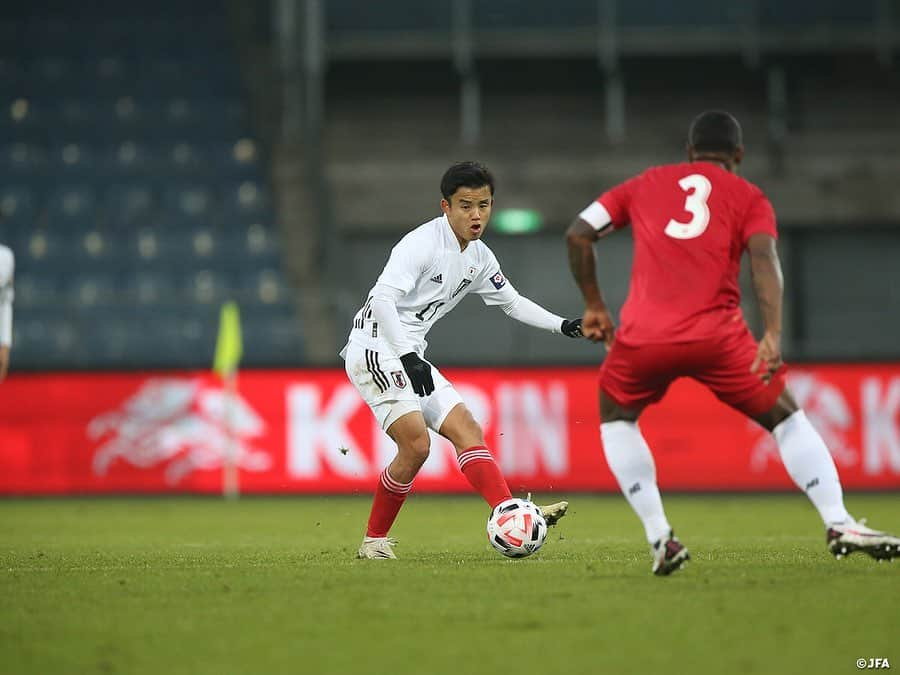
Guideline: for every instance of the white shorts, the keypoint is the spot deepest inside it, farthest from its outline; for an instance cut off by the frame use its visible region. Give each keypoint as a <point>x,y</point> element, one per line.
<point>384,385</point>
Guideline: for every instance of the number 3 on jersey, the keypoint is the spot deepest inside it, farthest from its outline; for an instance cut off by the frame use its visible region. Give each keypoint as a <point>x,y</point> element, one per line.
<point>695,204</point>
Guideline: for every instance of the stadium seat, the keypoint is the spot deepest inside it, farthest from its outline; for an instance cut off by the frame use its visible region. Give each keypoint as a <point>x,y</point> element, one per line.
<point>149,288</point>
<point>71,208</point>
<point>90,290</point>
<point>18,209</point>
<point>245,203</point>
<point>187,206</point>
<point>21,161</point>
<point>36,290</point>
<point>130,159</point>
<point>236,160</point>
<point>128,206</point>
<point>42,251</point>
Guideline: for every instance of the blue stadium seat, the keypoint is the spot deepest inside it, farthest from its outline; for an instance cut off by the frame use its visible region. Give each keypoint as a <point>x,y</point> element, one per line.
<point>72,208</point>
<point>186,160</point>
<point>188,205</point>
<point>250,246</point>
<point>74,160</point>
<point>36,290</point>
<point>52,75</point>
<point>24,119</point>
<point>150,288</point>
<point>109,71</point>
<point>265,286</point>
<point>96,250</point>
<point>90,290</point>
<point>160,251</point>
<point>42,252</point>
<point>128,206</point>
<point>270,337</point>
<point>46,339</point>
<point>22,161</point>
<point>18,209</point>
<point>74,118</point>
<point>236,160</point>
<point>200,118</point>
<point>207,286</point>
<point>246,203</point>
<point>130,159</point>
<point>12,77</point>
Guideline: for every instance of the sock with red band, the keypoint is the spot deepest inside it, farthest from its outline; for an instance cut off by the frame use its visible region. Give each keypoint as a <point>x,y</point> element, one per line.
<point>479,467</point>
<point>389,497</point>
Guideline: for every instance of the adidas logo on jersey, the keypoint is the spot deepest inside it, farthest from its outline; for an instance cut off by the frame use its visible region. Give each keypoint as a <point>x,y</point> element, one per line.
<point>438,279</point>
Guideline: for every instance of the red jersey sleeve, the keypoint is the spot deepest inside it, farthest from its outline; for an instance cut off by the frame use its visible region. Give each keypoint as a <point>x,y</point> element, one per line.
<point>617,202</point>
<point>760,218</point>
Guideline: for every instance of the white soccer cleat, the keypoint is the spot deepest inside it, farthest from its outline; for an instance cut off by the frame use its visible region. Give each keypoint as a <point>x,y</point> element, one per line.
<point>552,512</point>
<point>377,548</point>
<point>845,538</point>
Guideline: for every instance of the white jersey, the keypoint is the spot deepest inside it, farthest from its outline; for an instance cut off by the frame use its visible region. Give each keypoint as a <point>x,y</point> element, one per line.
<point>433,275</point>
<point>7,263</point>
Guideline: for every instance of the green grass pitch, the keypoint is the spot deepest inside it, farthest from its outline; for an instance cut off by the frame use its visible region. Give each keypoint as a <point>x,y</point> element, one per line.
<point>197,586</point>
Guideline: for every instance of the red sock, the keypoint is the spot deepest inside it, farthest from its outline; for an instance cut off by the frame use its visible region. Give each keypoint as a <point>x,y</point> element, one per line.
<point>389,497</point>
<point>479,467</point>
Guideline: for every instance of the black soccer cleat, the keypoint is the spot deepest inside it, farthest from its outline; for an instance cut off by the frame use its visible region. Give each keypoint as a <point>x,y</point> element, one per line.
<point>669,555</point>
<point>846,538</point>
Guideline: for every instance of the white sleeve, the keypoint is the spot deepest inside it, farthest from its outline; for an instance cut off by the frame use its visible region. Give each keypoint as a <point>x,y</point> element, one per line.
<point>7,265</point>
<point>524,310</point>
<point>409,259</point>
<point>384,311</point>
<point>492,286</point>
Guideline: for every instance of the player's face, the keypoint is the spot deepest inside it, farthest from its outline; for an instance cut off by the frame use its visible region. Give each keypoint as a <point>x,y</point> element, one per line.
<point>468,211</point>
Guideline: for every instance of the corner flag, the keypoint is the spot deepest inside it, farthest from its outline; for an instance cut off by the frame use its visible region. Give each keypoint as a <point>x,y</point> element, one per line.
<point>229,346</point>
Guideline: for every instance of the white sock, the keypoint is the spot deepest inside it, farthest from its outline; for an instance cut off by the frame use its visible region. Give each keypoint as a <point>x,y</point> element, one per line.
<point>811,466</point>
<point>628,455</point>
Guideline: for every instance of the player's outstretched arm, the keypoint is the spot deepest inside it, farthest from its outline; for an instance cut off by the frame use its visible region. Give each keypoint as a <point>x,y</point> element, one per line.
<point>597,324</point>
<point>768,284</point>
<point>530,313</point>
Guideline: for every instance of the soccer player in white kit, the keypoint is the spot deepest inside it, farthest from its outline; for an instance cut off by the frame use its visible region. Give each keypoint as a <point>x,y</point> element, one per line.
<point>429,271</point>
<point>7,263</point>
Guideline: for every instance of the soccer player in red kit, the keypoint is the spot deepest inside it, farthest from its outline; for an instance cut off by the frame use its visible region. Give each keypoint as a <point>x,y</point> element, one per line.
<point>691,224</point>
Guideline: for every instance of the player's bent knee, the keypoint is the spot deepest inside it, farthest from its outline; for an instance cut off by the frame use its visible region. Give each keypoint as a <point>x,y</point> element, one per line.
<point>784,407</point>
<point>610,411</point>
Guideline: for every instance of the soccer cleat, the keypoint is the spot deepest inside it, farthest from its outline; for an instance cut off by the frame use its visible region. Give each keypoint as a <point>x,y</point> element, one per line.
<point>845,538</point>
<point>552,512</point>
<point>669,555</point>
<point>377,548</point>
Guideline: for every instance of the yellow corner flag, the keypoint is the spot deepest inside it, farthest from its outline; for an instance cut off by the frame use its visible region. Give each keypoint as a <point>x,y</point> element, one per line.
<point>229,345</point>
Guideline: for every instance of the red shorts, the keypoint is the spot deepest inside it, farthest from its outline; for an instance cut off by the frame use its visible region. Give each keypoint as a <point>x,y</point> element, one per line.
<point>634,376</point>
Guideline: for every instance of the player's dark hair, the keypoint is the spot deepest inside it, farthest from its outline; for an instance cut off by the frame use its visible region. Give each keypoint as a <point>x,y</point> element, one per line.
<point>466,174</point>
<point>715,131</point>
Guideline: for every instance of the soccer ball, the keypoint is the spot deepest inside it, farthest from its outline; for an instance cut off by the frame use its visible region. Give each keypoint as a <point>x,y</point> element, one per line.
<point>516,528</point>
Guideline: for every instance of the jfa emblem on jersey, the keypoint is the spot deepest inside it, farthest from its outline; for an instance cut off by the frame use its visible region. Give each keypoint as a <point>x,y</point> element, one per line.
<point>498,281</point>
<point>399,378</point>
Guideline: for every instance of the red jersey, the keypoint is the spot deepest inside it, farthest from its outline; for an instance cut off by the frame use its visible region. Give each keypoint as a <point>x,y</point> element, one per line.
<point>691,223</point>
